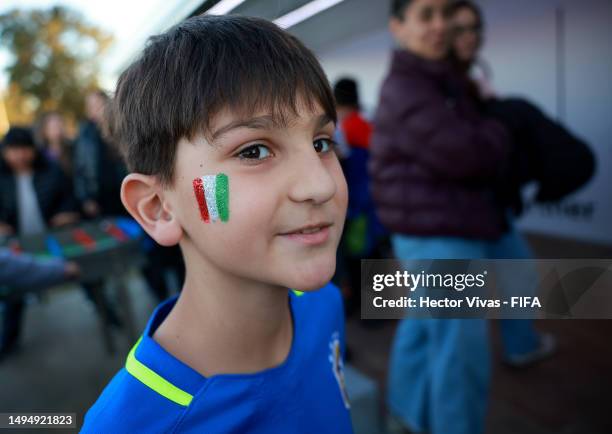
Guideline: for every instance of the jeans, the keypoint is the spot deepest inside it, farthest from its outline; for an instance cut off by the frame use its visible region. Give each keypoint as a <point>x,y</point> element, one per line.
<point>440,369</point>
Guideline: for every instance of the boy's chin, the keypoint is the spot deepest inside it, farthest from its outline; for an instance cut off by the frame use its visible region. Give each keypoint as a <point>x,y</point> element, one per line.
<point>311,277</point>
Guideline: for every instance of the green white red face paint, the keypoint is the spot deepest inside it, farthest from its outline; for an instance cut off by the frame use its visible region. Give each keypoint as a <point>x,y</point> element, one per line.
<point>212,195</point>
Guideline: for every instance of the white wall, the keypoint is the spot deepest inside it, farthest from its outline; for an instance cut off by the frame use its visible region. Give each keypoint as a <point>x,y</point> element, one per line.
<point>521,46</point>
<point>363,59</point>
<point>522,42</point>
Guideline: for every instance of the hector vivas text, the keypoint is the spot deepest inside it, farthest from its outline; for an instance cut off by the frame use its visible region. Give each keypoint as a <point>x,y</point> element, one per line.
<point>456,283</point>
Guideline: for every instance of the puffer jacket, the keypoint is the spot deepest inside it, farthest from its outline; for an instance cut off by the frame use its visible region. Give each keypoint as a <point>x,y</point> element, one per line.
<point>435,160</point>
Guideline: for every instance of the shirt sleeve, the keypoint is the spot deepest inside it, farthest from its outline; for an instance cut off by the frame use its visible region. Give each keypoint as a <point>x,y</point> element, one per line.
<point>23,271</point>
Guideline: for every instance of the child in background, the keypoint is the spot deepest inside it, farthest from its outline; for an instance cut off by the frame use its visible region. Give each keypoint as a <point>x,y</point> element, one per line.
<point>363,234</point>
<point>226,123</point>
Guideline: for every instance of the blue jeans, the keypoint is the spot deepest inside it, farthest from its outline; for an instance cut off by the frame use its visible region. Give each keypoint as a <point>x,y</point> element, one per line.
<point>439,371</point>
<point>518,335</point>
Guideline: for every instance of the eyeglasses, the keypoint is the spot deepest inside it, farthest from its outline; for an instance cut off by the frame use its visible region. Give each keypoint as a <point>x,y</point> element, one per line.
<point>461,30</point>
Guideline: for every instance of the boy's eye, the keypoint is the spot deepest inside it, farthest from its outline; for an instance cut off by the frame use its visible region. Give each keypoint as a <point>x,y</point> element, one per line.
<point>255,152</point>
<point>323,145</point>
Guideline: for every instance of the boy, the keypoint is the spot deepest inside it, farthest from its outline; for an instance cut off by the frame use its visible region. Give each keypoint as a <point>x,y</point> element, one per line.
<point>226,125</point>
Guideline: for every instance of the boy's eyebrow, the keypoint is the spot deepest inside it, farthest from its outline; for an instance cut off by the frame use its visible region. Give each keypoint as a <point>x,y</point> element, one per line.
<point>266,122</point>
<point>323,120</point>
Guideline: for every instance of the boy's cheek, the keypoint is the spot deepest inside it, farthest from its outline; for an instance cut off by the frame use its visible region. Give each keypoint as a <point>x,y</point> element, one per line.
<point>210,209</point>
<point>212,197</point>
<point>342,195</point>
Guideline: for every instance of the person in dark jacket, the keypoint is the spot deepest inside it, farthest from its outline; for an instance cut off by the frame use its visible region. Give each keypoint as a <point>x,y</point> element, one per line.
<point>98,168</point>
<point>543,150</point>
<point>34,194</point>
<point>434,162</point>
<point>522,345</point>
<point>98,173</point>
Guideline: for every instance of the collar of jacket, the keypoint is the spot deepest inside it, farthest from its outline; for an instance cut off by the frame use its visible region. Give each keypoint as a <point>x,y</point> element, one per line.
<point>404,61</point>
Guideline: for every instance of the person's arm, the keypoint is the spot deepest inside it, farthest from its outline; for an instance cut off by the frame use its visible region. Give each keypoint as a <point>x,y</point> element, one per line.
<point>425,125</point>
<point>546,150</point>
<point>24,271</point>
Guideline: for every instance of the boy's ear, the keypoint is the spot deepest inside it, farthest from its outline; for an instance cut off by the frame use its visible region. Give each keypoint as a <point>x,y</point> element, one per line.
<point>143,197</point>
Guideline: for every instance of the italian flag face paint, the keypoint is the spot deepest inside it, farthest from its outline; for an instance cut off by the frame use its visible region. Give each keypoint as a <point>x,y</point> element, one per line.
<point>212,194</point>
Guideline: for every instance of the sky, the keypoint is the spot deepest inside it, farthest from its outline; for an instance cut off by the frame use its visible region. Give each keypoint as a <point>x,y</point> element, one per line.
<point>130,21</point>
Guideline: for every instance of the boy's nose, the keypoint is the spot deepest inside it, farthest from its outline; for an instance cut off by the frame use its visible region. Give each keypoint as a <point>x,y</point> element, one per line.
<point>311,179</point>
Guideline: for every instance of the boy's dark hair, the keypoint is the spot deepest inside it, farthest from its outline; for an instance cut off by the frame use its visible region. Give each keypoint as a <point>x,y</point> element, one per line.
<point>346,93</point>
<point>18,136</point>
<point>398,7</point>
<point>206,64</point>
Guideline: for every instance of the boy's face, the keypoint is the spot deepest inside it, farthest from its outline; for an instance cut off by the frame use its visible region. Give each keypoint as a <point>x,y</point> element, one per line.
<point>282,180</point>
<point>423,29</point>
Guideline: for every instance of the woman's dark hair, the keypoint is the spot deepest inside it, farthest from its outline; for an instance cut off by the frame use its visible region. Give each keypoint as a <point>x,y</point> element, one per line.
<point>206,64</point>
<point>467,4</point>
<point>40,125</point>
<point>455,7</point>
<point>398,7</point>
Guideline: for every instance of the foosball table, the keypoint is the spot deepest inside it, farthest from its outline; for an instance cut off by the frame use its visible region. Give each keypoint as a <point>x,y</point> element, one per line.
<point>105,251</point>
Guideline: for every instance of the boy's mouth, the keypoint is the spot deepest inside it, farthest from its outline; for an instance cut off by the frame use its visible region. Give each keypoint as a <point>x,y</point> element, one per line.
<point>313,234</point>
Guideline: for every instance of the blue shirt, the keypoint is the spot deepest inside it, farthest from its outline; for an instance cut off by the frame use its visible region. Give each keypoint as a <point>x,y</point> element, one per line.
<point>157,393</point>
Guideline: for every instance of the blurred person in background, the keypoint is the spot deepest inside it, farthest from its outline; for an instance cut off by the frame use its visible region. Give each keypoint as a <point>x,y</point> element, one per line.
<point>24,272</point>
<point>363,232</point>
<point>434,162</point>
<point>467,40</point>
<point>543,151</point>
<point>35,194</point>
<point>98,173</point>
<point>537,143</point>
<point>51,137</point>
<point>522,345</point>
<point>98,168</point>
